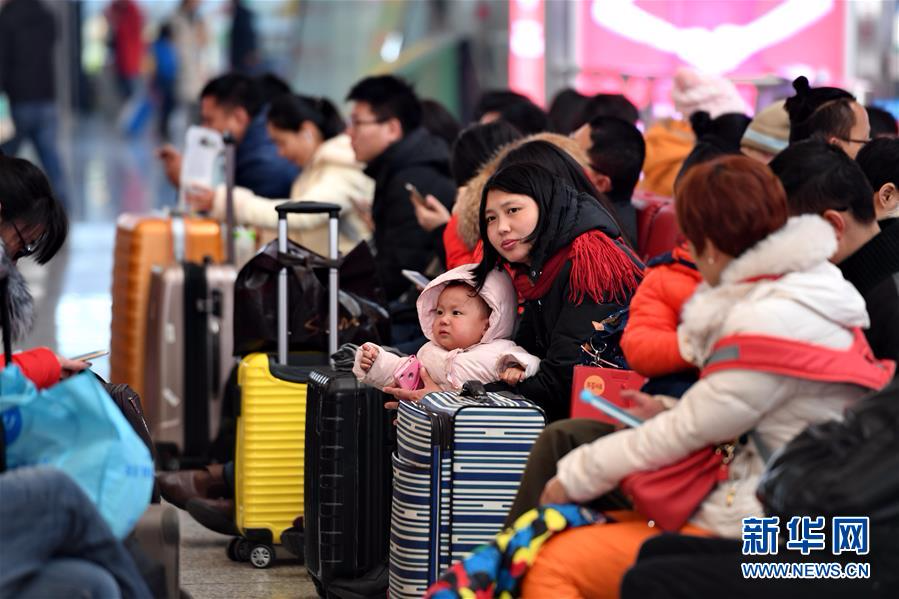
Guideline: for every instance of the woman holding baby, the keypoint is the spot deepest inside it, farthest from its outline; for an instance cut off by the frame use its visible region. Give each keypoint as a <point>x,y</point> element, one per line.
<point>547,239</point>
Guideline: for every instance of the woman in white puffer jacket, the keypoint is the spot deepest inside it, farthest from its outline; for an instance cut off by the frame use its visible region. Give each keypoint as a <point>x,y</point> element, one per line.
<point>309,132</point>
<point>764,275</point>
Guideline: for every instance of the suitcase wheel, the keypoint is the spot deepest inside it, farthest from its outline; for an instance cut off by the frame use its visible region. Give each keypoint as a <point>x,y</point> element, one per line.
<point>262,556</point>
<point>319,587</point>
<point>239,550</point>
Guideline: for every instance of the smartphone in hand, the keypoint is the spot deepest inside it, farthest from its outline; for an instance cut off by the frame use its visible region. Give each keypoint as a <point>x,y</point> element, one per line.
<point>607,407</point>
<point>415,194</point>
<point>408,375</point>
<point>90,355</point>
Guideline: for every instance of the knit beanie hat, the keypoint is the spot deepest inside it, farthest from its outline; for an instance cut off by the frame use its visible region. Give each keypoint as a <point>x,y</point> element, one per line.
<point>714,94</point>
<point>769,131</point>
<point>806,102</point>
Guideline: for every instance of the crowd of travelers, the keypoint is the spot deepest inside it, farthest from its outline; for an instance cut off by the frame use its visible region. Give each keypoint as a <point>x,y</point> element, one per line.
<point>528,223</point>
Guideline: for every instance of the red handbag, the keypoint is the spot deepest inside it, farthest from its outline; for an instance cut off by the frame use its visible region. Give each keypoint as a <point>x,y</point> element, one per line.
<point>670,495</point>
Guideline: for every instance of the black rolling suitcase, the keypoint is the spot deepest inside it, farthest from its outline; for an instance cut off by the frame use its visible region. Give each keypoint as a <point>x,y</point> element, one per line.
<point>349,478</point>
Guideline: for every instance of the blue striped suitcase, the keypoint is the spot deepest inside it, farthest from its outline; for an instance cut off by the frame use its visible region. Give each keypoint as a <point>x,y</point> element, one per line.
<point>459,459</point>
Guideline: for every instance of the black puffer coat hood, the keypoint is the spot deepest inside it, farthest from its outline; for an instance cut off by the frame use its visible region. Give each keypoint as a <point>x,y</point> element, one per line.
<point>422,160</point>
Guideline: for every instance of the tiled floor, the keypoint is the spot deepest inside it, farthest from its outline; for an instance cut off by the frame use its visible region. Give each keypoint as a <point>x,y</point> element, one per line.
<point>110,175</point>
<point>207,573</point>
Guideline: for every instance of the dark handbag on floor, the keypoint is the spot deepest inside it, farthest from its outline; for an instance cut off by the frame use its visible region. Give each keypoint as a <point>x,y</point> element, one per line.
<point>848,468</point>
<point>361,316</point>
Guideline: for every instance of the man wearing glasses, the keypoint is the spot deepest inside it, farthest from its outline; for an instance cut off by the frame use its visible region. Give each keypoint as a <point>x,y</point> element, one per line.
<point>386,134</point>
<point>830,114</point>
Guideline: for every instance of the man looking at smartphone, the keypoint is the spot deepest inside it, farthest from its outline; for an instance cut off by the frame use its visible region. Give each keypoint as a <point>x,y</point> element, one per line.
<point>236,103</point>
<point>386,134</point>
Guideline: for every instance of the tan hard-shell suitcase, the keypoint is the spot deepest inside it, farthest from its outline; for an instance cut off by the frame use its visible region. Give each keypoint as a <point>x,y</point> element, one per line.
<point>190,342</point>
<point>142,242</point>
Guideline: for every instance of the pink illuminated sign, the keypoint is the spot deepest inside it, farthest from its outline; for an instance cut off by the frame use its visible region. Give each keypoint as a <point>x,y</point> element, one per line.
<point>527,48</point>
<point>646,40</point>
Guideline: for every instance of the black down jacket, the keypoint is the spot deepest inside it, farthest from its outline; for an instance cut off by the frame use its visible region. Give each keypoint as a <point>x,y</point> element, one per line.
<point>422,160</point>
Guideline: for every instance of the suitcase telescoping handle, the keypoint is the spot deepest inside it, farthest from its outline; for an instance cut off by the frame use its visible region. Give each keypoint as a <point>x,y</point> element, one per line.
<point>230,160</point>
<point>333,212</point>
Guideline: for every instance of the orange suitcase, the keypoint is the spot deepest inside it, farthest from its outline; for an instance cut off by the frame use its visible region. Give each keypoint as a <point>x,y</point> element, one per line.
<point>144,241</point>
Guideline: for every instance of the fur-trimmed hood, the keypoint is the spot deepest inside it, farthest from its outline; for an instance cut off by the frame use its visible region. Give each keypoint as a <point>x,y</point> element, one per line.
<point>798,253</point>
<point>468,204</point>
<point>498,292</point>
<point>21,304</point>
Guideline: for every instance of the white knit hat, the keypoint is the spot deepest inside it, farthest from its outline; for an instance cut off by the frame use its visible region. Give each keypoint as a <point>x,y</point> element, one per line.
<point>694,91</point>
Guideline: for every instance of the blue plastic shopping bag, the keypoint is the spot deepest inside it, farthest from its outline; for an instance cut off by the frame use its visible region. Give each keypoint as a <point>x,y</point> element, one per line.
<point>76,427</point>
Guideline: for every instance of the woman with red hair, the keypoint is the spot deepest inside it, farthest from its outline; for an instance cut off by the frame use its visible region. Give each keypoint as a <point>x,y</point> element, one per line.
<point>767,280</point>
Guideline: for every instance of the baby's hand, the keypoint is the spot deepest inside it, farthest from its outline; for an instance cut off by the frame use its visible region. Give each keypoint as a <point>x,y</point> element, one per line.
<point>369,355</point>
<point>512,375</point>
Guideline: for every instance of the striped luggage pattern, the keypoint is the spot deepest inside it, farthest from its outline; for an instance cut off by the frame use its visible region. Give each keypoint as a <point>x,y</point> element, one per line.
<point>456,471</point>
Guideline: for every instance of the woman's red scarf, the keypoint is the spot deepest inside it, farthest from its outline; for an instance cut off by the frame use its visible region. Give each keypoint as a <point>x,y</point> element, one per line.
<point>599,268</point>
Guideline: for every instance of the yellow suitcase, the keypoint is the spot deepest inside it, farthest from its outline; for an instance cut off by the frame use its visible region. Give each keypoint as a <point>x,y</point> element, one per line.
<point>271,424</point>
<point>270,449</point>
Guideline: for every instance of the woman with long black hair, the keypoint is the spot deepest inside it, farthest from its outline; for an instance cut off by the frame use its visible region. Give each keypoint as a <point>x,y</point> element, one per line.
<point>32,223</point>
<point>543,220</point>
<point>568,260</point>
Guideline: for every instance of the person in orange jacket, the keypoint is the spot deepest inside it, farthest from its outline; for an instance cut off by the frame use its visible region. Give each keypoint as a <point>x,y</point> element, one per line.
<point>649,341</point>
<point>669,141</point>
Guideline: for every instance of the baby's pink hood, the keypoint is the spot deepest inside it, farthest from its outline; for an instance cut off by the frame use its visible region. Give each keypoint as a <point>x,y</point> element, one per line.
<point>498,292</point>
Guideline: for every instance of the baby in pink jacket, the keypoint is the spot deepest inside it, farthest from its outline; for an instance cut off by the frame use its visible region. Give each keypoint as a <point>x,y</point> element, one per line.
<point>468,335</point>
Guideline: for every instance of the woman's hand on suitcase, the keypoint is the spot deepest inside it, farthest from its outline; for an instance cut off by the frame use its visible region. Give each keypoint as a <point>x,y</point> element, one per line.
<point>69,367</point>
<point>429,386</point>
